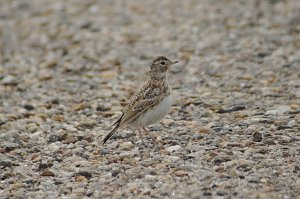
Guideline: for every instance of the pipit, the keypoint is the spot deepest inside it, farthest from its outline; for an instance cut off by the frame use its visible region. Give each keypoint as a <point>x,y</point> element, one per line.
<point>151,103</point>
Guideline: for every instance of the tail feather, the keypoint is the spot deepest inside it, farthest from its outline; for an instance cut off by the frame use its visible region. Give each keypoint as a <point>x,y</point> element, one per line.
<point>116,122</point>
<point>110,134</point>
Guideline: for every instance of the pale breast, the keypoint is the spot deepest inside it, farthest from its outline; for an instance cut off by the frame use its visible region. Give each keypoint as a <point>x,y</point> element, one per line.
<point>154,114</point>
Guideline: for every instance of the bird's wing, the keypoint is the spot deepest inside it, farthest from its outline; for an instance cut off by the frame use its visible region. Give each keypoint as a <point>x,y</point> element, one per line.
<point>142,101</point>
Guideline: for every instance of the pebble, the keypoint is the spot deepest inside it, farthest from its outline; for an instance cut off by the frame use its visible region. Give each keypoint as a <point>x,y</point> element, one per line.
<point>173,148</point>
<point>284,139</point>
<point>173,158</point>
<point>257,137</point>
<point>168,122</point>
<point>181,173</point>
<point>86,174</point>
<point>280,110</point>
<point>222,158</point>
<point>70,139</point>
<point>253,179</point>
<point>233,108</point>
<point>87,124</point>
<point>221,193</point>
<point>80,178</point>
<point>126,146</point>
<point>292,123</point>
<point>5,161</point>
<point>205,130</point>
<point>10,80</point>
<point>47,173</point>
<point>269,141</point>
<point>9,146</point>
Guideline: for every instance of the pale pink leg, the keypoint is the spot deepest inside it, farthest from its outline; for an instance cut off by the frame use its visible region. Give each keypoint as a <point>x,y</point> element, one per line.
<point>141,136</point>
<point>152,137</point>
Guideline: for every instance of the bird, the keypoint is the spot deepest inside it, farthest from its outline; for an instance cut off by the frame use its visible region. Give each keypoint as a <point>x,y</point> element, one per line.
<point>150,104</point>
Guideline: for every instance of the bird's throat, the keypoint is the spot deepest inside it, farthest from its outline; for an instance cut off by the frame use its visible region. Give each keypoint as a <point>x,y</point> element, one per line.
<point>158,76</point>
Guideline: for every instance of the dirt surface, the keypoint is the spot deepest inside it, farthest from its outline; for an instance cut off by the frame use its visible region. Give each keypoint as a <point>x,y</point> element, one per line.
<point>69,67</point>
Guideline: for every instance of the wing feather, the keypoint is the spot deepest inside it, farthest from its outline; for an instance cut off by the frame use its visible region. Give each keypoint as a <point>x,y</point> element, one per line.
<point>141,102</point>
<point>138,108</point>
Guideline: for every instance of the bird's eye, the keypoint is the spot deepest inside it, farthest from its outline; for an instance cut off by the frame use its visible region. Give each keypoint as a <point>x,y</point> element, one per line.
<point>162,63</point>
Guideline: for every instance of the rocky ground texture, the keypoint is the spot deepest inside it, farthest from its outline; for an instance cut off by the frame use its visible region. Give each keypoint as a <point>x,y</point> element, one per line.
<point>69,67</point>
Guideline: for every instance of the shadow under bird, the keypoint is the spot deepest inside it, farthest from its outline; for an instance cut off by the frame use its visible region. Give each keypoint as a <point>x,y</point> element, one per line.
<point>151,103</point>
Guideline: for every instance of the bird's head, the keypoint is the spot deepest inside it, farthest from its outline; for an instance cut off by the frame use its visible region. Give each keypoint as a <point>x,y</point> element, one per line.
<point>160,66</point>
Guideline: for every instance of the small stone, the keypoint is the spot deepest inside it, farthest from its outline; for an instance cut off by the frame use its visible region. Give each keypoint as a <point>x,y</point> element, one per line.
<point>215,126</point>
<point>87,124</point>
<point>51,64</point>
<point>80,178</point>
<point>181,173</point>
<point>45,75</point>
<point>221,193</point>
<point>44,166</point>
<point>283,127</point>
<point>150,177</point>
<point>235,107</point>
<point>32,127</point>
<point>28,107</point>
<point>79,107</point>
<point>126,146</point>
<point>10,80</point>
<point>9,146</point>
<point>108,114</point>
<point>42,116</point>
<point>108,74</point>
<point>150,171</point>
<point>4,161</point>
<point>205,130</point>
<point>269,141</point>
<point>125,154</point>
<point>58,118</point>
<point>297,168</point>
<point>35,157</point>
<point>253,179</point>
<point>88,138</point>
<point>222,158</point>
<point>86,174</point>
<point>149,162</point>
<point>173,148</point>
<point>284,139</point>
<point>54,138</point>
<point>70,146</point>
<point>70,139</point>
<point>168,122</point>
<point>16,186</point>
<point>257,137</point>
<point>47,173</point>
<point>206,193</point>
<point>20,193</point>
<point>294,139</point>
<point>292,123</point>
<point>59,135</point>
<point>104,107</point>
<point>280,110</point>
<point>173,158</point>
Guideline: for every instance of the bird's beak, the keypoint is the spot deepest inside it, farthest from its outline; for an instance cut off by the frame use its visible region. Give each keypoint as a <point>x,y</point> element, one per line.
<point>175,62</point>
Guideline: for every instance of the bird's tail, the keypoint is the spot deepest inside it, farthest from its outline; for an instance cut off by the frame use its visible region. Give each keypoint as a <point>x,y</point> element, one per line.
<point>110,134</point>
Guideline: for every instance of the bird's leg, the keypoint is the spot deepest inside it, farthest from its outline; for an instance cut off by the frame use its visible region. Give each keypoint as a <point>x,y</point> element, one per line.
<point>134,131</point>
<point>141,136</point>
<point>152,137</point>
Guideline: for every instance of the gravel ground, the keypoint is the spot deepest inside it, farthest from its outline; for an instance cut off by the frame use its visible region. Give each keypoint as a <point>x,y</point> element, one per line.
<point>68,68</point>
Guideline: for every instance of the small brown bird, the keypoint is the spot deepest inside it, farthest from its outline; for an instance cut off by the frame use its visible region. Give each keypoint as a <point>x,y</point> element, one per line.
<point>151,103</point>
